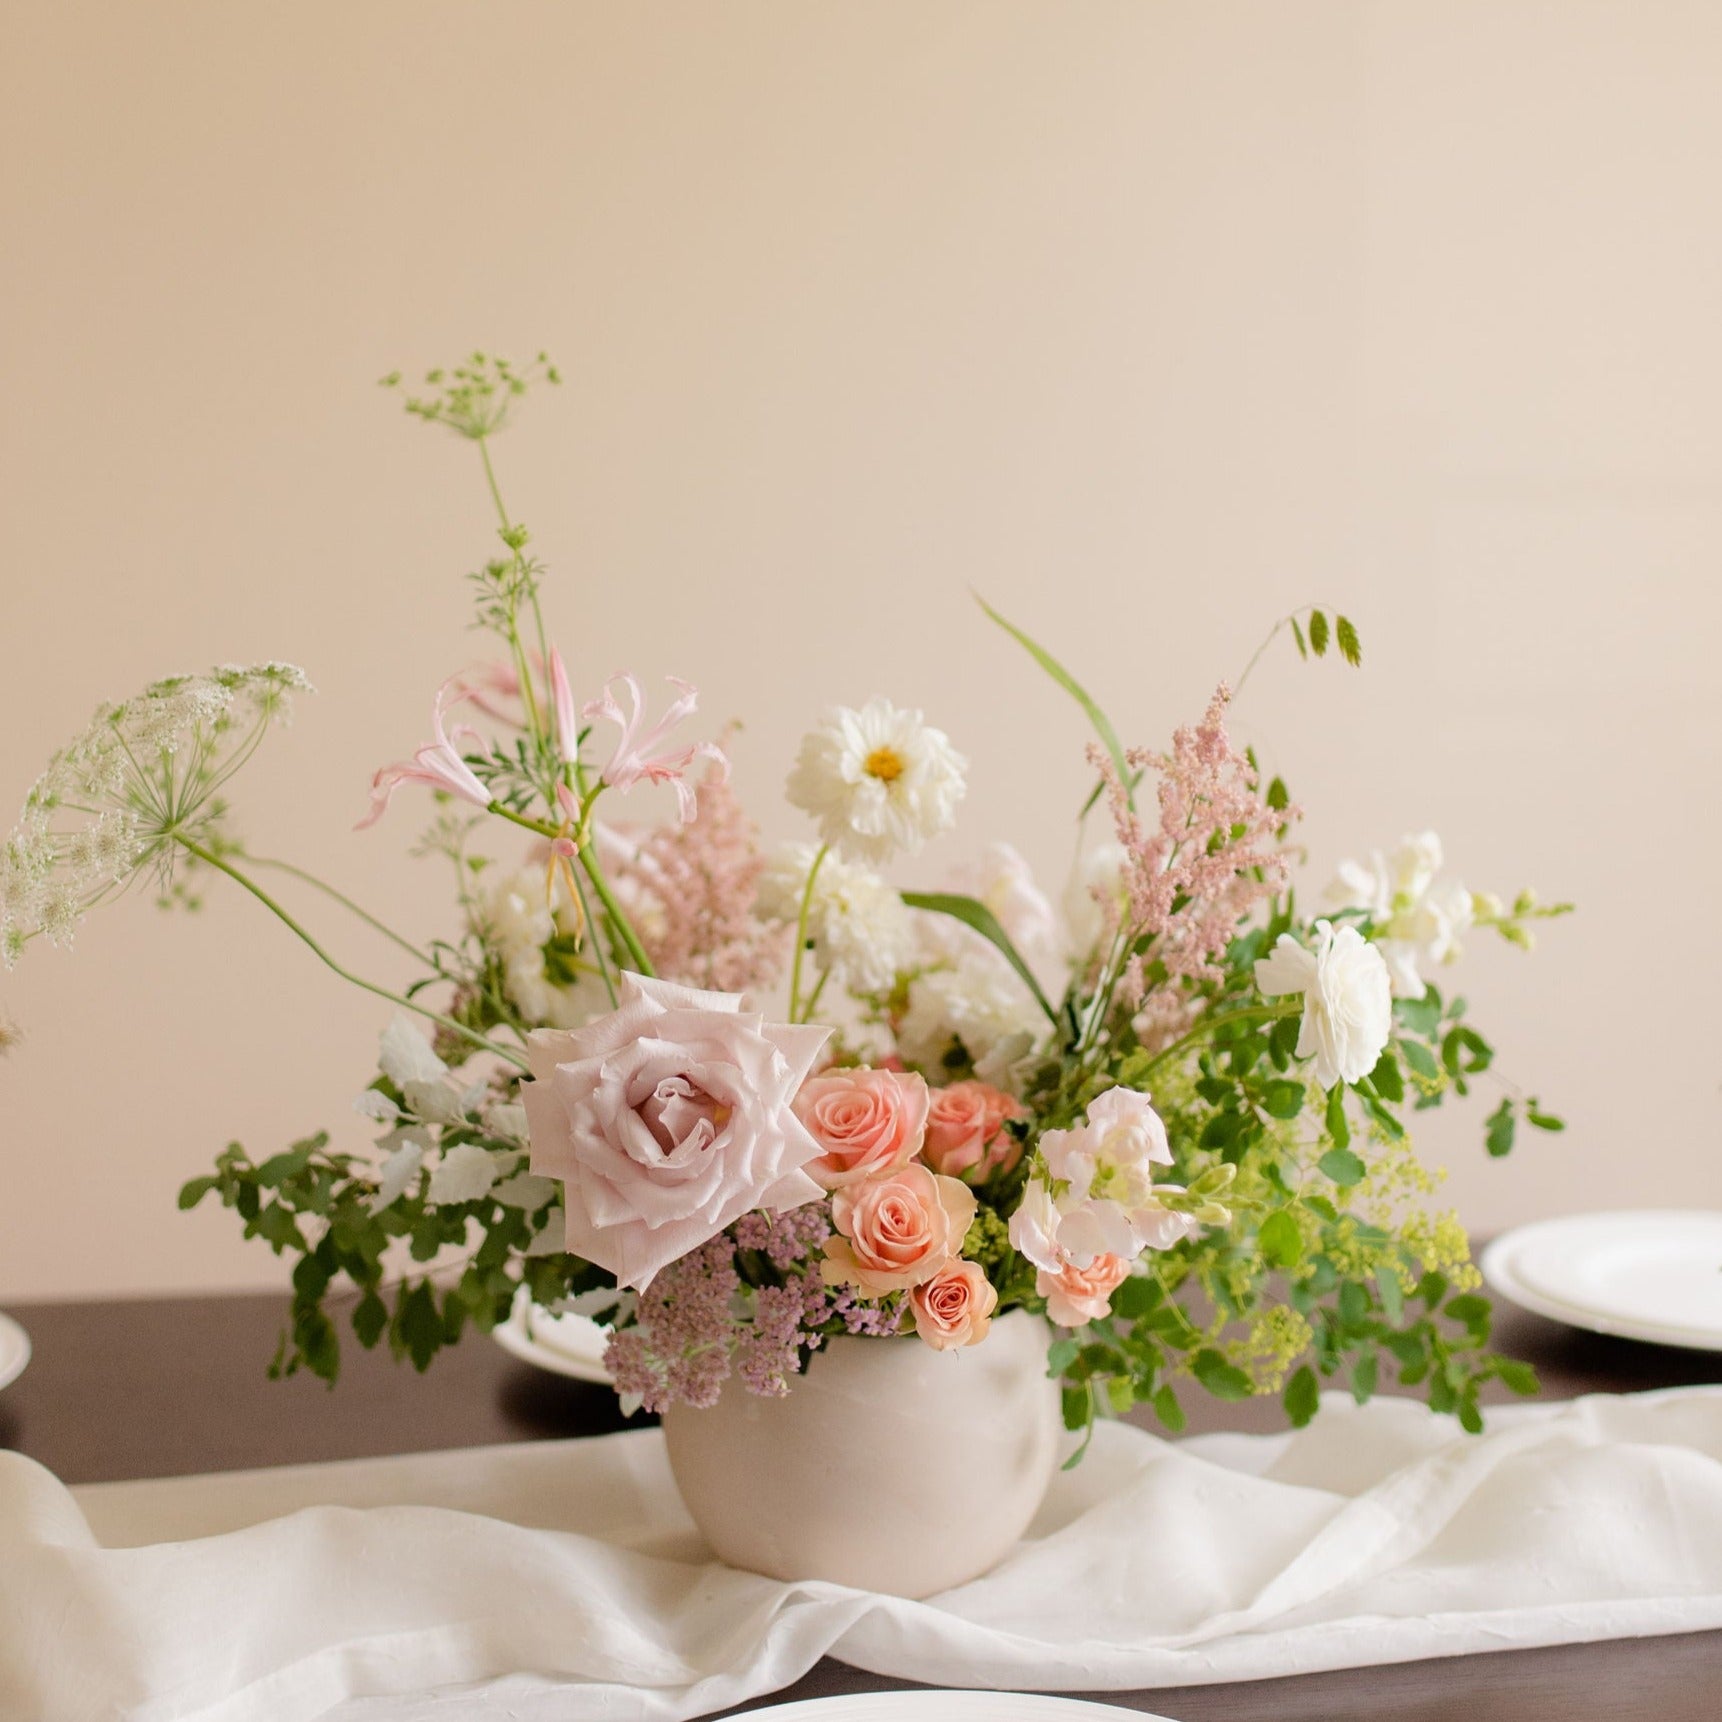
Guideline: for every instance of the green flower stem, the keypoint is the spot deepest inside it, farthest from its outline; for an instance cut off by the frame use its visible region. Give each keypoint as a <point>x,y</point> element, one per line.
<point>637,958</point>
<point>1251,1013</point>
<point>346,903</point>
<point>801,933</point>
<point>540,730</point>
<point>209,858</point>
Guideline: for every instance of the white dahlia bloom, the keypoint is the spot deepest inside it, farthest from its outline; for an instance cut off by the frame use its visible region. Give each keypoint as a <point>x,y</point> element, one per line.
<point>1347,999</point>
<point>1002,880</point>
<point>1095,881</point>
<point>1418,919</point>
<point>878,780</point>
<point>862,934</point>
<point>981,1003</point>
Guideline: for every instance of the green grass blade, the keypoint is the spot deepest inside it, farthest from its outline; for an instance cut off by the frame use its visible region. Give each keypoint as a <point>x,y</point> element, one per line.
<point>974,913</point>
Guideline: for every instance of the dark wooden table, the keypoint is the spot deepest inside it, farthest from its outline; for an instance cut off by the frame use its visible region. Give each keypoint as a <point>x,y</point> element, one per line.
<point>174,1386</point>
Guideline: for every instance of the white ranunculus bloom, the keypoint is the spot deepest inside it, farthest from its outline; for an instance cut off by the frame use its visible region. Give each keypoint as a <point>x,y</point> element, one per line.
<point>1347,999</point>
<point>878,780</point>
<point>863,934</point>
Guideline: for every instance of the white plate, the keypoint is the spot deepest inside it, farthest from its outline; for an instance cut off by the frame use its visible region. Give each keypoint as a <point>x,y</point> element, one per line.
<point>938,1706</point>
<point>14,1350</point>
<point>568,1345</point>
<point>1652,1274</point>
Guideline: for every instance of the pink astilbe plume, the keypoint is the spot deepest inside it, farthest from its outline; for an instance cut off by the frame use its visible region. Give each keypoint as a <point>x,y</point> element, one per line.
<point>702,878</point>
<point>1215,856</point>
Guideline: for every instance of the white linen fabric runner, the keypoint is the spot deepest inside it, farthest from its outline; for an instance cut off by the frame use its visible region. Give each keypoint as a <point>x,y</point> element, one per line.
<point>557,1581</point>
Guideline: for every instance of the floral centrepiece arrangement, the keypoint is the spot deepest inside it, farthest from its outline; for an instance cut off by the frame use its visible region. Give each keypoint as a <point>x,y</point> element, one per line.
<point>1169,1116</point>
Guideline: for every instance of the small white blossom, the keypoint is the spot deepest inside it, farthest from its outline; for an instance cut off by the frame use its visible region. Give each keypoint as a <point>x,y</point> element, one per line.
<point>553,1239</point>
<point>878,780</point>
<point>1096,882</point>
<point>862,934</point>
<point>506,1119</point>
<point>1347,999</point>
<point>1418,919</point>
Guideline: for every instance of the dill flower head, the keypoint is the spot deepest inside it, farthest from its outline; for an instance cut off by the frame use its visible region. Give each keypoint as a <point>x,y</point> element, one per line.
<point>123,798</point>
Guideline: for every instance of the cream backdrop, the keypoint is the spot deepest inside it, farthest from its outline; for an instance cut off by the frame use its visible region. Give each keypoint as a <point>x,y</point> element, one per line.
<point>1149,321</point>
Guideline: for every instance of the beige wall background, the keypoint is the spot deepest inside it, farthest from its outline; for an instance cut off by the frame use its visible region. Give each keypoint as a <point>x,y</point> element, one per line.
<point>1148,320</point>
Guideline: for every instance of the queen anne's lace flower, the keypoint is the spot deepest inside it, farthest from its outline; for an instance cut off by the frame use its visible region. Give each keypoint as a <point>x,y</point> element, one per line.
<point>878,780</point>
<point>117,800</point>
<point>862,935</point>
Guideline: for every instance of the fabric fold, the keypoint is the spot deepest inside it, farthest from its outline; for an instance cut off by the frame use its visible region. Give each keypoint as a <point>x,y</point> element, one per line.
<point>557,1581</point>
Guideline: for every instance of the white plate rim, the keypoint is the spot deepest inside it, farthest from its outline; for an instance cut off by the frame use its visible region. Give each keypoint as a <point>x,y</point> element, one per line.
<point>516,1337</point>
<point>13,1365</point>
<point>936,1704</point>
<point>1496,1265</point>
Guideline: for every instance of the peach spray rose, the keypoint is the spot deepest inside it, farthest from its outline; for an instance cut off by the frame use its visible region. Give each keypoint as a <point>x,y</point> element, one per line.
<point>896,1232</point>
<point>868,1123</point>
<point>954,1307</point>
<point>966,1135</point>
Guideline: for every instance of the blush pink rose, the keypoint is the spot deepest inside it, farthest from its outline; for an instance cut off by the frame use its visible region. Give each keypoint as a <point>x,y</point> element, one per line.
<point>868,1123</point>
<point>666,1120</point>
<point>896,1232</point>
<point>954,1307</point>
<point>966,1135</point>
<point>1076,1295</point>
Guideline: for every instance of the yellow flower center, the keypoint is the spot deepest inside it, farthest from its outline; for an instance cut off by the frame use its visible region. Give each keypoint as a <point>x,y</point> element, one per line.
<point>884,763</point>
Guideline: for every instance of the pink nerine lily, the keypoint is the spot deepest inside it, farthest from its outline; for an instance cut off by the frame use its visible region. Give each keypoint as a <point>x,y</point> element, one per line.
<point>438,764</point>
<point>562,702</point>
<point>634,761</point>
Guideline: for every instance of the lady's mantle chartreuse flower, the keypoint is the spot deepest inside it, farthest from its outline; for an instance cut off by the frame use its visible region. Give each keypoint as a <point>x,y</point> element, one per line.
<point>1347,999</point>
<point>878,780</point>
